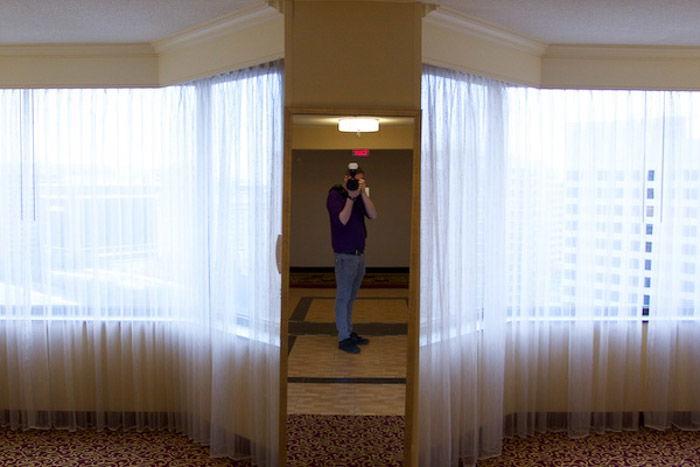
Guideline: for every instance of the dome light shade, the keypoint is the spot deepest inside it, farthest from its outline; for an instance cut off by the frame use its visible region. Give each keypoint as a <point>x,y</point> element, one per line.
<point>358,125</point>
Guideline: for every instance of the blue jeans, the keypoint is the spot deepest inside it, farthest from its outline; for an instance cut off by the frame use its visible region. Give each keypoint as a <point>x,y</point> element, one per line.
<point>349,271</point>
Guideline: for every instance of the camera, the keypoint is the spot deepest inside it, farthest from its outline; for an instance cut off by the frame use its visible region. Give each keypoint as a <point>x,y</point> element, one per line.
<point>352,184</point>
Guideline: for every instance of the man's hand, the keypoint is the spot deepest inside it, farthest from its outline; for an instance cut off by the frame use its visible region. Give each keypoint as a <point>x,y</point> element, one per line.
<point>360,189</point>
<point>370,209</point>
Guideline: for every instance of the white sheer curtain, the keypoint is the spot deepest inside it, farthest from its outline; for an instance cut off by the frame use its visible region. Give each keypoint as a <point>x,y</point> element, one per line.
<point>575,253</point>
<point>463,307</point>
<point>138,286</point>
<point>246,201</point>
<point>673,350</point>
<point>545,217</point>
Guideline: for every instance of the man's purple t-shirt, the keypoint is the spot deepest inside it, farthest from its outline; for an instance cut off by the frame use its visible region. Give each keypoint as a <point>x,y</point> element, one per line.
<point>350,236</point>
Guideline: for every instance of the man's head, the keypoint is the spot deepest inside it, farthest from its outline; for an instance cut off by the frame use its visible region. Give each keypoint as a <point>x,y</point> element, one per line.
<point>354,173</point>
<point>353,169</point>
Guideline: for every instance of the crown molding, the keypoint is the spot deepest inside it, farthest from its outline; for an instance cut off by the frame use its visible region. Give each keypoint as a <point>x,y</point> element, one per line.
<point>245,18</point>
<point>621,52</point>
<point>78,50</point>
<point>484,72</point>
<point>450,19</point>
<point>208,72</point>
<point>428,8</point>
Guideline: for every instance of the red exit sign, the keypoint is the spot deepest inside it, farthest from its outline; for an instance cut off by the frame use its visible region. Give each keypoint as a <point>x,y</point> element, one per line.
<point>360,152</point>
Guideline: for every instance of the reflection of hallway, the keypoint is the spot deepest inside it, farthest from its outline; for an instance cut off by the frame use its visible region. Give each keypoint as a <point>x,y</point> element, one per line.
<point>324,380</point>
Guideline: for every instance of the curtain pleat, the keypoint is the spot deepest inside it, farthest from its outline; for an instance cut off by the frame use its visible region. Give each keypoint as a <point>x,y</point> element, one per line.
<point>462,320</point>
<point>673,349</point>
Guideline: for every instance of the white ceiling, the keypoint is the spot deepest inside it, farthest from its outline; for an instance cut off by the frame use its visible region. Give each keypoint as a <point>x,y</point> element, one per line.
<point>628,22</point>
<point>632,22</point>
<point>113,21</point>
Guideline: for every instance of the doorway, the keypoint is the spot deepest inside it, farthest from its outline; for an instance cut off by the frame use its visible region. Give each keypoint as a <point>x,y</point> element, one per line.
<point>321,385</point>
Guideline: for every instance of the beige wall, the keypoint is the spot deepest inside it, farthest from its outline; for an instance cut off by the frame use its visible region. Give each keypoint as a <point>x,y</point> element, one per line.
<point>459,43</point>
<point>246,38</point>
<point>78,66</point>
<point>341,57</point>
<point>390,137</point>
<point>252,37</point>
<point>388,173</point>
<point>352,54</point>
<point>613,67</point>
<point>462,43</point>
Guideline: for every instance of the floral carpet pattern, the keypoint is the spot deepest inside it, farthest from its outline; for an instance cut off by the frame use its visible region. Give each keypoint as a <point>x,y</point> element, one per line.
<point>344,440</point>
<point>637,448</point>
<point>334,440</point>
<point>103,448</point>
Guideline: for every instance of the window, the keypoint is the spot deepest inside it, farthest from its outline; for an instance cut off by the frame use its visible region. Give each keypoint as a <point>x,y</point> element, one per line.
<point>600,201</point>
<point>120,203</point>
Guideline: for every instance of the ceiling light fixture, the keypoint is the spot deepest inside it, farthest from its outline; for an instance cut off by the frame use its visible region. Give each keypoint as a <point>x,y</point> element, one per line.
<point>358,125</point>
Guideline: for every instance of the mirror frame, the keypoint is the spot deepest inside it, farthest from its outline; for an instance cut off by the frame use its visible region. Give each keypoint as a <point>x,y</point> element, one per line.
<point>411,410</point>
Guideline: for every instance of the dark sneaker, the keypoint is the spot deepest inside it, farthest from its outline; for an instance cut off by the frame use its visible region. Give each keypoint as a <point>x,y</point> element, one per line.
<point>348,345</point>
<point>358,340</point>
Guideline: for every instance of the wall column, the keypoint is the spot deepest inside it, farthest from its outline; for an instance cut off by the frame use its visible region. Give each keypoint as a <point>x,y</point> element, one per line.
<point>353,54</point>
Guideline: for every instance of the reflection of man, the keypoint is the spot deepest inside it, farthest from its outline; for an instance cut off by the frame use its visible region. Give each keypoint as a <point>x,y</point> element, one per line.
<point>347,208</point>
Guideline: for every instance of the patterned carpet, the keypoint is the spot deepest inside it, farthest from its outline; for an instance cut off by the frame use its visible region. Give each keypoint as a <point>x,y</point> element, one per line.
<point>342,441</point>
<point>314,440</point>
<point>103,448</point>
<point>673,448</point>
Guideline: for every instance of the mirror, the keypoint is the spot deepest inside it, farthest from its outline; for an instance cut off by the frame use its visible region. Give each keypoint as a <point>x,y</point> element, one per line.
<point>328,386</point>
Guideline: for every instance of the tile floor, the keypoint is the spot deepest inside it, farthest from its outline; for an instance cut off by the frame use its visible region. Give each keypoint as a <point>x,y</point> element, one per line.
<point>323,380</point>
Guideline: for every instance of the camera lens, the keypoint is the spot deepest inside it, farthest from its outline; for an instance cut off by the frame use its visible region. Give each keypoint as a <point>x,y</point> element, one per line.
<point>352,184</point>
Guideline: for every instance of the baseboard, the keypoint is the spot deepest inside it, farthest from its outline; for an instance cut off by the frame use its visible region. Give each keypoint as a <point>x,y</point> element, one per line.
<point>324,277</point>
<point>370,270</point>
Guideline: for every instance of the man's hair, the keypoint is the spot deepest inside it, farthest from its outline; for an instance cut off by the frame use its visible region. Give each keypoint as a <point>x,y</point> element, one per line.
<point>357,171</point>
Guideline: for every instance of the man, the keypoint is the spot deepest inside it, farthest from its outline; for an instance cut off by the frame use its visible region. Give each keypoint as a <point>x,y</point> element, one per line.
<point>347,208</point>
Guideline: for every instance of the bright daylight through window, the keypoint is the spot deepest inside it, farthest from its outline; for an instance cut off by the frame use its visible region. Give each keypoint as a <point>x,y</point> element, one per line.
<point>113,203</point>
<point>560,287</point>
<point>602,186</point>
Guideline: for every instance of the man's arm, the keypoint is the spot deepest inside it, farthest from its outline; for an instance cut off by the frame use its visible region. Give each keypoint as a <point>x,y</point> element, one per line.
<point>339,206</point>
<point>370,208</point>
<point>344,214</point>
